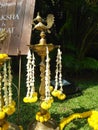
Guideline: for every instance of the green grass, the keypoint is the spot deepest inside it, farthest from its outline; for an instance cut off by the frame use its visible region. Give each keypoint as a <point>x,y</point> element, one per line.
<point>87,100</point>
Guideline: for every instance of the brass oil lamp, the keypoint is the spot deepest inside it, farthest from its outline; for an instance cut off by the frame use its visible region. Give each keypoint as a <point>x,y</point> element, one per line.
<point>40,49</point>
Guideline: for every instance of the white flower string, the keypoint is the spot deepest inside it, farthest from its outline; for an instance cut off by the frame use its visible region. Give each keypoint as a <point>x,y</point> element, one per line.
<point>57,71</point>
<point>5,96</point>
<point>46,104</point>
<point>9,82</point>
<point>7,105</point>
<point>32,75</point>
<point>31,95</point>
<point>47,75</point>
<point>58,76</point>
<point>60,69</point>
<point>28,73</point>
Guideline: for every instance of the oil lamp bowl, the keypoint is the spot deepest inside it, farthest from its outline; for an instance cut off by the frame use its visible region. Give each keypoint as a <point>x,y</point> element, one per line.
<point>40,49</point>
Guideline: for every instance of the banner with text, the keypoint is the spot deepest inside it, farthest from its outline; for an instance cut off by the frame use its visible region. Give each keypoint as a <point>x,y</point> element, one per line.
<point>16,17</point>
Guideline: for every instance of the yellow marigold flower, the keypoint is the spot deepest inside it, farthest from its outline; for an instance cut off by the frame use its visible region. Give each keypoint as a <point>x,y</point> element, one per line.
<point>56,93</point>
<point>3,56</point>
<point>2,115</point>
<point>33,99</point>
<point>86,114</point>
<point>37,117</point>
<point>34,94</point>
<point>43,117</point>
<point>9,110</point>
<point>50,100</point>
<point>46,105</point>
<point>61,96</point>
<point>51,88</point>
<point>13,103</point>
<point>93,120</point>
<point>26,99</point>
<point>47,116</point>
<point>67,120</point>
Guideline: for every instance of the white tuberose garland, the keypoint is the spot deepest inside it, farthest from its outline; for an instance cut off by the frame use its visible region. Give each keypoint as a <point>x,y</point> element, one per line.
<point>5,96</point>
<point>47,75</point>
<point>10,82</point>
<point>30,74</point>
<point>58,76</point>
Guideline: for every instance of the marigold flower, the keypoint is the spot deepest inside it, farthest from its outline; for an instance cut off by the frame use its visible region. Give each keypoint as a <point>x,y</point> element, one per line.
<point>2,115</point>
<point>45,105</point>
<point>55,93</point>
<point>43,117</point>
<point>61,96</point>
<point>93,120</point>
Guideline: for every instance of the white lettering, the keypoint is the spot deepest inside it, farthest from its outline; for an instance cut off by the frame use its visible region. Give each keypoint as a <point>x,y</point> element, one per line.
<point>9,30</point>
<point>9,17</point>
<point>3,24</point>
<point>4,4</point>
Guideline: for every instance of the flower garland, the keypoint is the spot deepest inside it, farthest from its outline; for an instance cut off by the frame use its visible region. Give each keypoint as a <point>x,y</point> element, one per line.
<point>31,95</point>
<point>43,117</point>
<point>58,78</point>
<point>46,104</point>
<point>47,76</point>
<point>92,119</point>
<point>7,105</point>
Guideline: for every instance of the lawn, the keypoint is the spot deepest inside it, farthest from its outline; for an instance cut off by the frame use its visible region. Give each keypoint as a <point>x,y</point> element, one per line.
<point>82,102</point>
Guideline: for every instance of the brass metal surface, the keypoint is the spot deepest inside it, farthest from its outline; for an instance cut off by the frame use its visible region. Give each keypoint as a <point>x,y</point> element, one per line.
<point>40,49</point>
<point>11,126</point>
<point>49,125</point>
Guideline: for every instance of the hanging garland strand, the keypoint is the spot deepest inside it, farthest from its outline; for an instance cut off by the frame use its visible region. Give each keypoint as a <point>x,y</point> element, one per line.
<point>28,73</point>
<point>47,75</point>
<point>60,69</point>
<point>31,95</point>
<point>56,71</point>
<point>58,78</point>
<point>9,82</point>
<point>32,76</point>
<point>5,96</point>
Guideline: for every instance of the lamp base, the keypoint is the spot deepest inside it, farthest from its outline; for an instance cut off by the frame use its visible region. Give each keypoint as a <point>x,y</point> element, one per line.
<point>4,124</point>
<point>13,127</point>
<point>49,125</point>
